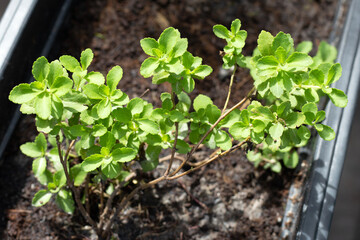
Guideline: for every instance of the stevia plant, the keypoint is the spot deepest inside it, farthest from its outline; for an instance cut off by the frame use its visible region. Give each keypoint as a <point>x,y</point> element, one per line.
<point>92,136</point>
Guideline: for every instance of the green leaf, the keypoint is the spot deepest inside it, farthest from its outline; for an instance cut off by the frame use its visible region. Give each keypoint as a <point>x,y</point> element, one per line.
<point>334,74</point>
<point>168,39</point>
<point>276,131</point>
<point>41,198</point>
<point>310,107</point>
<point>320,116</point>
<point>176,116</point>
<point>57,107</point>
<point>69,62</point>
<point>92,162</point>
<point>304,47</point>
<point>148,44</point>
<point>152,158</point>
<point>188,83</point>
<point>95,78</point>
<point>276,167</point>
<point>98,130</point>
<point>265,42</point>
<point>40,69</point>
<point>35,149</point>
<point>180,47</point>
<point>221,32</point>
<point>254,157</point>
<point>276,88</point>
<point>235,26</point>
<point>263,113</point>
<point>113,77</point>
<point>44,125</point>
<point>303,133</point>
<point>91,90</point>
<point>311,95</point>
<point>325,132</point>
<point>326,52</point>
<point>61,86</point>
<point>22,93</point>
<point>124,154</point>
<point>182,147</point>
<point>78,175</point>
<point>59,178</point>
<point>213,113</point>
<point>201,101</point>
<point>239,40</point>
<point>148,126</point>
<point>223,140</point>
<point>283,40</point>
<point>317,77</point>
<point>258,126</point>
<point>39,166</point>
<point>338,97</point>
<point>43,105</point>
<point>56,70</point>
<point>65,201</point>
<point>298,61</point>
<point>111,170</point>
<point>267,66</point>
<point>136,105</point>
<point>283,109</point>
<point>201,72</point>
<point>230,119</point>
<point>239,130</point>
<point>104,108</point>
<point>148,67</point>
<point>122,115</point>
<point>86,58</point>
<point>107,140</point>
<point>160,77</point>
<point>294,119</point>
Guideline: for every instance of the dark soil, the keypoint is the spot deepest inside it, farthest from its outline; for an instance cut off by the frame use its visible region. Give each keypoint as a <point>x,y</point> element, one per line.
<point>228,199</point>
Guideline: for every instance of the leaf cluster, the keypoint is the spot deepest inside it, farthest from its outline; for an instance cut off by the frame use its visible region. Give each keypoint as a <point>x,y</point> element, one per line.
<point>113,133</point>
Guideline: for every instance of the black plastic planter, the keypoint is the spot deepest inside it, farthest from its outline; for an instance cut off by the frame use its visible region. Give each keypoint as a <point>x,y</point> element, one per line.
<point>37,23</point>
<point>28,29</point>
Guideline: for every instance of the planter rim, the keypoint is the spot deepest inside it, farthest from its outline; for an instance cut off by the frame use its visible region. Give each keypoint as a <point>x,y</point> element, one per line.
<point>15,24</point>
<point>12,24</point>
<point>320,193</point>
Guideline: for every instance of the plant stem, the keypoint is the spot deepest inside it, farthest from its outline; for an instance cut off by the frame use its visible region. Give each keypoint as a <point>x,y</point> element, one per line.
<point>87,203</point>
<point>126,200</point>
<point>110,200</point>
<point>173,150</point>
<point>70,183</point>
<point>207,161</point>
<point>211,129</point>
<point>101,195</point>
<point>229,92</point>
<point>172,176</point>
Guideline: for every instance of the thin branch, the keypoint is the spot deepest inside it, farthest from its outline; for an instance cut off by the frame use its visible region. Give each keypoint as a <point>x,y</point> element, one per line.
<point>87,203</point>
<point>126,200</point>
<point>173,150</point>
<point>229,92</point>
<point>192,196</point>
<point>207,161</point>
<point>145,92</point>
<point>239,104</point>
<point>101,195</point>
<point>168,157</point>
<point>71,184</point>
<point>110,200</point>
